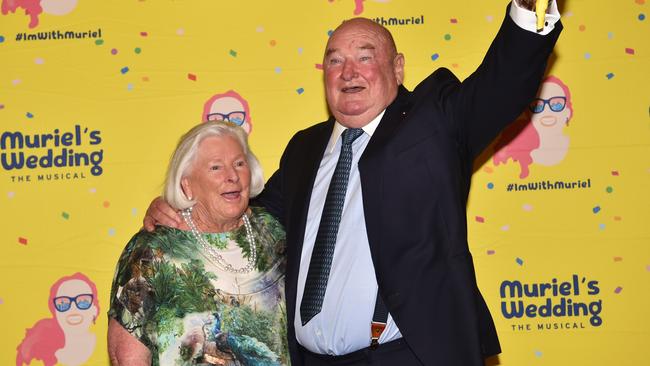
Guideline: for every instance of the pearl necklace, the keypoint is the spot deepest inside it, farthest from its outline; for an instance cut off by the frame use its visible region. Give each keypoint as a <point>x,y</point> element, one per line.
<point>213,253</point>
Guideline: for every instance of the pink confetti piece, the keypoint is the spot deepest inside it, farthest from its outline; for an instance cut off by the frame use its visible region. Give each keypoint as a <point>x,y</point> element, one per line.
<point>618,290</point>
<point>11,194</point>
<point>114,51</point>
<point>1,301</point>
<point>259,29</point>
<point>16,81</point>
<point>479,219</point>
<point>489,18</point>
<point>22,240</point>
<point>615,173</point>
<point>647,268</point>
<point>144,34</point>
<point>318,66</point>
<point>505,227</point>
<point>453,20</point>
<point>490,252</point>
<point>191,76</point>
<point>618,259</point>
<point>629,51</point>
<point>180,31</point>
<point>92,190</point>
<point>39,61</point>
<point>527,207</point>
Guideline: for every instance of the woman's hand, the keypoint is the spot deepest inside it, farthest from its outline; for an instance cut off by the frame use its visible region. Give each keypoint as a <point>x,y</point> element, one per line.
<point>160,213</point>
<point>124,349</point>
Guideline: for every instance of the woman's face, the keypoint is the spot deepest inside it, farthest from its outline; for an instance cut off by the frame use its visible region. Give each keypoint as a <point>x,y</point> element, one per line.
<point>219,179</point>
<point>74,306</point>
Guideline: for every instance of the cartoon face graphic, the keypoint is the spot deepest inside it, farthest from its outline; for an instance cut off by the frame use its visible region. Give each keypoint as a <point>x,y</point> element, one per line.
<point>549,112</point>
<point>33,8</point>
<point>229,106</point>
<point>75,310</point>
<point>538,136</point>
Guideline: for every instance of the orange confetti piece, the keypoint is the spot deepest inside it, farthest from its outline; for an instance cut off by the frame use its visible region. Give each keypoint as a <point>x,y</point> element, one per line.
<point>273,43</point>
<point>487,169</point>
<point>618,259</point>
<point>617,218</point>
<point>106,204</point>
<point>191,77</point>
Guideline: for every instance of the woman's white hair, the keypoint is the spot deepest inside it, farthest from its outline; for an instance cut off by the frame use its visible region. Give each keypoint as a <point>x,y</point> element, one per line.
<point>186,152</point>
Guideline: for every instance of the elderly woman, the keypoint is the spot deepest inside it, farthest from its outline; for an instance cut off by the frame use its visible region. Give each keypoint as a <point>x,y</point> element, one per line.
<point>211,292</point>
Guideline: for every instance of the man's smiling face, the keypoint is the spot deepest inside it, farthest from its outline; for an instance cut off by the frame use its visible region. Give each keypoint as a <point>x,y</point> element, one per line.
<point>362,72</point>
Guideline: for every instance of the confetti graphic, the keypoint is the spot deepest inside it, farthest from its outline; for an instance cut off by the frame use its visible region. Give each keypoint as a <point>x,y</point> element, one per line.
<point>99,42</point>
<point>629,51</point>
<point>519,261</point>
<point>300,90</point>
<point>39,61</point>
<point>618,259</point>
<point>596,209</point>
<point>106,204</point>
<point>490,252</point>
<point>124,70</point>
<point>191,77</point>
<point>22,240</point>
<point>233,53</point>
<point>65,215</point>
<point>434,56</point>
<point>29,115</point>
<point>479,219</point>
<point>610,75</point>
<point>490,185</point>
<point>618,290</point>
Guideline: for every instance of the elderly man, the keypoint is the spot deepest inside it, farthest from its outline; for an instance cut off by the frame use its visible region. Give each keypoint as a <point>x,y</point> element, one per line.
<point>374,199</point>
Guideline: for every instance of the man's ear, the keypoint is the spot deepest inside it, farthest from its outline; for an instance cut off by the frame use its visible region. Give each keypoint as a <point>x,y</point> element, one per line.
<point>187,188</point>
<point>398,68</point>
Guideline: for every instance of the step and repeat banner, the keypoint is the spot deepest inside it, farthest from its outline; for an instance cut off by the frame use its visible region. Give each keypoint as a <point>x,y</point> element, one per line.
<point>95,94</point>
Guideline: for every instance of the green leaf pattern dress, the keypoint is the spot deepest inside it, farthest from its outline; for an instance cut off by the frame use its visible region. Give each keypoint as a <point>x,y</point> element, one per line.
<point>172,297</point>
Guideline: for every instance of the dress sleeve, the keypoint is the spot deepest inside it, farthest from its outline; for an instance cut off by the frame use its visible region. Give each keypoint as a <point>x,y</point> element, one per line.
<point>132,295</point>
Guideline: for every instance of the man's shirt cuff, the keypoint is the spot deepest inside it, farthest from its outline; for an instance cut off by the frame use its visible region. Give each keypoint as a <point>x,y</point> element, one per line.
<point>527,19</point>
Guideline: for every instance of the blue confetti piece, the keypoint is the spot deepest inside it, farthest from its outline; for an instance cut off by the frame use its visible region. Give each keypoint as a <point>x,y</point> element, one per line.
<point>519,261</point>
<point>2,39</point>
<point>610,35</point>
<point>124,70</point>
<point>587,55</point>
<point>329,33</point>
<point>300,50</point>
<point>111,232</point>
<point>490,185</point>
<point>610,75</point>
<point>538,353</point>
<point>278,70</point>
<point>596,209</point>
<point>434,56</point>
<point>641,17</point>
<point>601,226</point>
<point>300,90</point>
<point>29,115</point>
<point>129,87</point>
<point>134,211</point>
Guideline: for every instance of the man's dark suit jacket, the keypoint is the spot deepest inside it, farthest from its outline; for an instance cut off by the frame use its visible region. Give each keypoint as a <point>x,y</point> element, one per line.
<point>415,178</point>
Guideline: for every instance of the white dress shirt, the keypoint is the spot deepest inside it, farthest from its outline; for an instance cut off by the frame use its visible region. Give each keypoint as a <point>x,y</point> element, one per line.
<point>343,325</point>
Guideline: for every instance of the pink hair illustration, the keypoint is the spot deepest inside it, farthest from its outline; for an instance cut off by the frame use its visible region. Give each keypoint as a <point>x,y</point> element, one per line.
<point>46,337</point>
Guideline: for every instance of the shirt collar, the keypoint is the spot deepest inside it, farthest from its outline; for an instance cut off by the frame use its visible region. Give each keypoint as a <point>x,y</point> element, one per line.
<point>339,128</point>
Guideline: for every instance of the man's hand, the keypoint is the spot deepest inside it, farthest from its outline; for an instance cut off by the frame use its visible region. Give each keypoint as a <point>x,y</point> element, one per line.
<point>160,213</point>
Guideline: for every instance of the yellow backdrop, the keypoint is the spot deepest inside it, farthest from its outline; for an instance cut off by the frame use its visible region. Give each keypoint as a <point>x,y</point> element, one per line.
<point>113,84</point>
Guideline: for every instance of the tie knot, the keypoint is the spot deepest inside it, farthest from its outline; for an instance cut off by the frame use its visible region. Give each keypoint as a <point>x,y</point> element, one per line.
<point>350,135</point>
